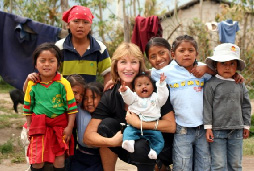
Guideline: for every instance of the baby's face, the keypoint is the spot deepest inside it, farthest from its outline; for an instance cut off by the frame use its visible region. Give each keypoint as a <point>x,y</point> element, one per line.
<point>226,69</point>
<point>143,87</point>
<point>159,56</point>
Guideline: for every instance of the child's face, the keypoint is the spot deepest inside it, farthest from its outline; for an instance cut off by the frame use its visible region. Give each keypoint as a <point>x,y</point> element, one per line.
<point>143,87</point>
<point>159,56</point>
<point>226,69</point>
<point>127,69</point>
<point>46,64</point>
<point>79,28</point>
<point>78,92</point>
<point>185,55</point>
<point>91,102</point>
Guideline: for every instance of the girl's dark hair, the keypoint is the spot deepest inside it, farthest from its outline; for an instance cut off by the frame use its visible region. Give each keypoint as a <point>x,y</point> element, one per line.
<point>156,41</point>
<point>50,47</point>
<point>76,80</point>
<point>184,38</point>
<point>140,75</point>
<point>95,87</point>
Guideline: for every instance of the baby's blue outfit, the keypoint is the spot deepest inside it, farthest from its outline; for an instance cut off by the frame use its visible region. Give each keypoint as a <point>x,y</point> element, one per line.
<point>186,96</point>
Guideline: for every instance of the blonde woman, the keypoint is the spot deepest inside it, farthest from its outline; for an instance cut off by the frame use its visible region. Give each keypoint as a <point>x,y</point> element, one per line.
<point>104,129</point>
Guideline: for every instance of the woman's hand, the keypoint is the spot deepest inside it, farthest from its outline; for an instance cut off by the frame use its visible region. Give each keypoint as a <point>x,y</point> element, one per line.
<point>108,85</point>
<point>132,119</point>
<point>117,139</point>
<point>67,134</point>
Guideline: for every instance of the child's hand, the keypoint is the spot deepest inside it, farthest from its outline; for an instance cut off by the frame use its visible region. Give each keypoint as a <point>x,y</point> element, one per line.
<point>209,135</point>
<point>238,78</point>
<point>33,77</point>
<point>199,70</point>
<point>162,78</point>
<point>246,133</point>
<point>123,88</point>
<point>67,134</point>
<point>108,85</point>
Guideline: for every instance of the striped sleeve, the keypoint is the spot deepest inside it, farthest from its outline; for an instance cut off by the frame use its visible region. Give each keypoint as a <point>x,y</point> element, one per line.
<point>104,63</point>
<point>28,99</point>
<point>69,98</point>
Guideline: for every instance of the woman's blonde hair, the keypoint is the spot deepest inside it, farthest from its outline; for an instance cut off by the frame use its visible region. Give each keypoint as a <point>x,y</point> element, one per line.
<point>123,50</point>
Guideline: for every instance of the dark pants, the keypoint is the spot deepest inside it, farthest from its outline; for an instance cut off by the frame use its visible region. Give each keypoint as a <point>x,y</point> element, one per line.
<point>109,127</point>
<point>86,162</point>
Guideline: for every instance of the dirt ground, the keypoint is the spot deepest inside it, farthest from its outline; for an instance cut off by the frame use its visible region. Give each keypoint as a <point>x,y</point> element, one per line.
<point>6,133</point>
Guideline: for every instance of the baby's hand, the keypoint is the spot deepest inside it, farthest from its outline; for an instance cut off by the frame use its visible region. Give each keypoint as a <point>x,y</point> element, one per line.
<point>162,78</point>
<point>123,88</point>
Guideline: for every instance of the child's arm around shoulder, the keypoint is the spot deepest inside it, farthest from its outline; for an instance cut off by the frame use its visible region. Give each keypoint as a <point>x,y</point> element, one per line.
<point>31,77</point>
<point>199,70</point>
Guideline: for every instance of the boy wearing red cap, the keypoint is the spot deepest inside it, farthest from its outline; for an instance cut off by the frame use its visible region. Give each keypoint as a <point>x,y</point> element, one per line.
<point>82,53</point>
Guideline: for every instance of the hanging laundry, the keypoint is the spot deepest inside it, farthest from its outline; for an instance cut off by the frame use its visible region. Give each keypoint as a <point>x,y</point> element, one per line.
<point>144,29</point>
<point>227,31</point>
<point>17,45</point>
<point>212,26</point>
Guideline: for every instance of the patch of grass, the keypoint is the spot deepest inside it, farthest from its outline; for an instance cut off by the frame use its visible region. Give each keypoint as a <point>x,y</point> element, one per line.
<point>13,150</point>
<point>248,146</point>
<point>7,120</point>
<point>7,147</point>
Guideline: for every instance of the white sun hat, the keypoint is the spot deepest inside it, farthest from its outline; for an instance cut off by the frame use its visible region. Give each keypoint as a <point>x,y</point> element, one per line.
<point>225,52</point>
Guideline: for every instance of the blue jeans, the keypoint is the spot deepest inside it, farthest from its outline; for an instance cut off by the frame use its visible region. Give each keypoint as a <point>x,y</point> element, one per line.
<point>226,150</point>
<point>191,150</point>
<point>155,138</point>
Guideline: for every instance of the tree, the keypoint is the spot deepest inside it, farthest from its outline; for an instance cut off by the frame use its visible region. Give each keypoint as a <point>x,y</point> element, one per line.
<point>42,11</point>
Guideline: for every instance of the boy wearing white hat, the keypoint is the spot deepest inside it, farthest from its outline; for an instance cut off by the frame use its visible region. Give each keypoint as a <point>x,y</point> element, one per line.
<point>227,109</point>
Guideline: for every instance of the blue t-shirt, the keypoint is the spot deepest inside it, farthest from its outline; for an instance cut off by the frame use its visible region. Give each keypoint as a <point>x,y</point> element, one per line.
<point>186,93</point>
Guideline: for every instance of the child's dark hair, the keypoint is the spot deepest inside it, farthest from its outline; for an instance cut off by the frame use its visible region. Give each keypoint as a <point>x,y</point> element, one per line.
<point>140,75</point>
<point>184,38</point>
<point>76,80</point>
<point>50,47</point>
<point>95,87</point>
<point>156,41</point>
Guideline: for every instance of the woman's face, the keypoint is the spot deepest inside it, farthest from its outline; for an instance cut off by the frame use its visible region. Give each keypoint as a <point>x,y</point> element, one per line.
<point>127,68</point>
<point>159,56</point>
<point>91,101</point>
<point>79,28</point>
